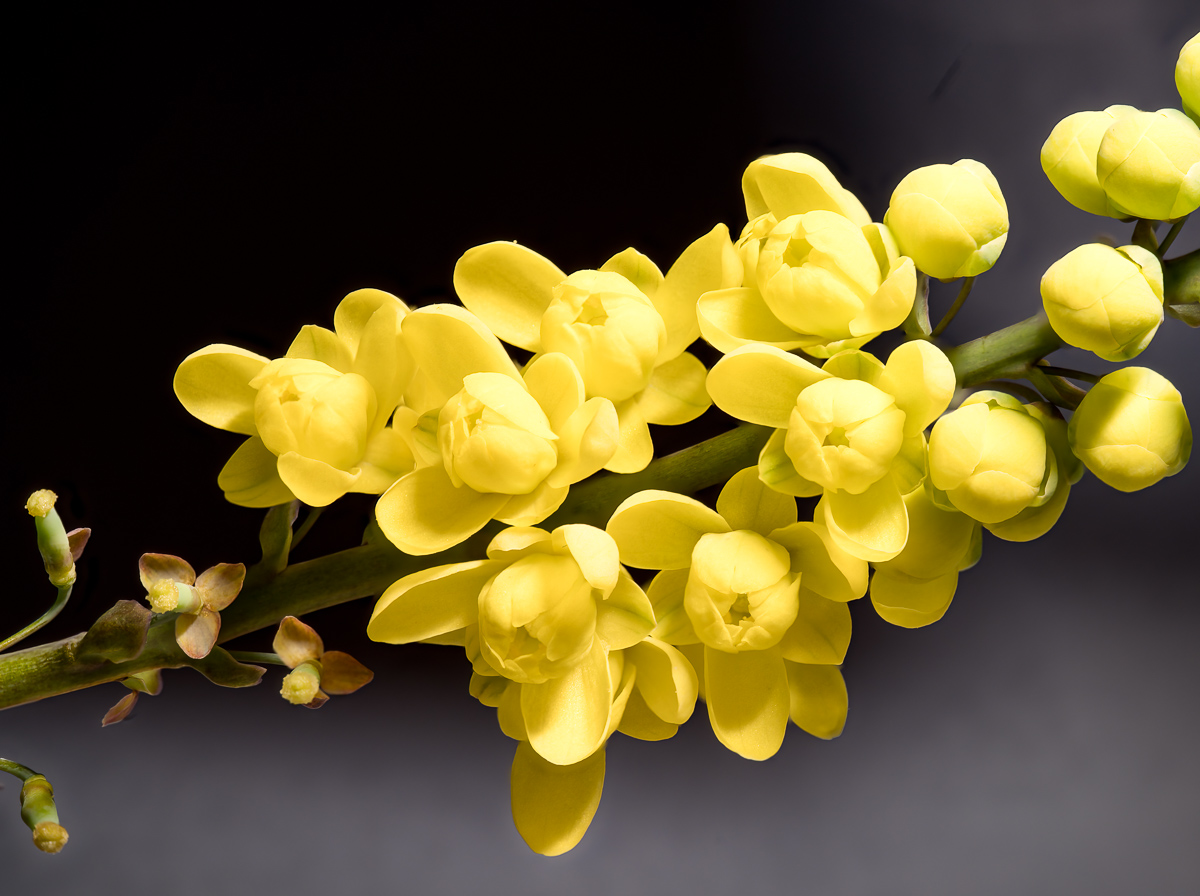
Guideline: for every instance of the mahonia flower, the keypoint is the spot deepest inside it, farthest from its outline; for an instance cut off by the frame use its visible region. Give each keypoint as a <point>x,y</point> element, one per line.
<point>818,275</point>
<point>1148,163</point>
<point>491,443</point>
<point>952,220</point>
<point>991,458</point>
<point>317,417</point>
<point>1187,77</point>
<point>556,632</point>
<point>1069,159</point>
<point>1131,429</point>
<point>852,431</point>
<point>316,672</point>
<point>624,326</point>
<point>764,594</point>
<point>172,586</point>
<point>1108,301</point>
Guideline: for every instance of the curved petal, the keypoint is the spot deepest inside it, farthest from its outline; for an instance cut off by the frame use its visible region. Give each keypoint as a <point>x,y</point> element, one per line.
<point>197,634</point>
<point>637,269</point>
<point>640,722</point>
<point>342,674</point>
<point>355,311</point>
<point>424,513</point>
<point>1034,522</point>
<point>519,541</point>
<point>921,378</point>
<point>315,482</point>
<point>319,344</point>
<point>823,565</point>
<point>821,633</point>
<point>297,642</point>
<point>383,359</point>
<point>593,550</point>
<point>635,449</point>
<point>552,805</point>
<point>250,478</point>
<point>760,384</point>
<point>665,680</point>
<point>794,183</point>
<point>676,393</point>
<point>219,585</point>
<point>911,603</point>
<point>872,526</point>
<point>707,264</point>
<point>508,713</point>
<point>554,382</point>
<point>818,699</point>
<point>777,471</point>
<point>626,616</point>
<point>658,530</point>
<point>586,442</point>
<point>159,567</point>
<point>526,510</point>
<point>431,602</point>
<point>509,287</point>
<point>213,384</point>
<point>731,318</point>
<point>430,330</point>
<point>747,695</point>
<point>747,503</point>
<point>891,303</point>
<point>566,718</point>
<point>666,593</point>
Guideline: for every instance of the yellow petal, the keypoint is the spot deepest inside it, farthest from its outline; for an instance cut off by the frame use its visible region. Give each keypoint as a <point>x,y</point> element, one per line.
<point>342,674</point>
<point>707,264</point>
<point>586,442</point>
<point>905,601</point>
<point>508,713</point>
<point>526,510</point>
<point>818,699</point>
<point>872,526</point>
<point>821,632</point>
<point>567,717</point>
<point>634,449</point>
<point>197,635</point>
<point>297,642</point>
<point>626,616</point>
<point>731,318</point>
<point>213,384</point>
<point>658,530</point>
<point>795,183</point>
<point>219,585</point>
<point>747,503</point>
<point>320,344</point>
<point>778,471</point>
<point>1034,522</point>
<point>738,562</point>
<point>593,550</point>
<point>251,477</point>
<point>921,378</point>
<point>424,513</point>
<point>315,482</point>
<point>519,541</point>
<point>666,594</point>
<point>164,567</point>
<point>383,359</point>
<point>676,393</point>
<point>355,311</point>
<point>759,384</point>
<point>824,566</point>
<point>639,722</point>
<point>637,269</point>
<point>554,382</point>
<point>553,805</point>
<point>747,695</point>
<point>431,602</point>
<point>509,287</point>
<point>665,680</point>
<point>429,330</point>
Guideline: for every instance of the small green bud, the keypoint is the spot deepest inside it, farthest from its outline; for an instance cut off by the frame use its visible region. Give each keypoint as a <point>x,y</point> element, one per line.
<point>53,542</point>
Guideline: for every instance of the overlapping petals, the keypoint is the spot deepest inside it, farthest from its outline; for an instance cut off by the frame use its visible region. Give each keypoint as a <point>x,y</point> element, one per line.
<point>316,672</point>
<point>172,586</point>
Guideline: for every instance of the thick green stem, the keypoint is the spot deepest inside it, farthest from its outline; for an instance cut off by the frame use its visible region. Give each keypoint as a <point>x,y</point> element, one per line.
<point>1006,353</point>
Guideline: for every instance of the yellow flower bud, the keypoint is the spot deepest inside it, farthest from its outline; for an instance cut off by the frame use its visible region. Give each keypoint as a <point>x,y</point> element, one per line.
<point>1069,159</point>
<point>1187,77</point>
<point>950,219</point>
<point>495,437</point>
<point>1149,164</point>
<point>1131,429</point>
<point>1108,301</point>
<point>609,328</point>
<point>991,458</point>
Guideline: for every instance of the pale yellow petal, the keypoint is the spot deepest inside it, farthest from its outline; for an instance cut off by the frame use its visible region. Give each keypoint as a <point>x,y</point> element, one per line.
<point>526,510</point>
<point>818,699</point>
<point>747,503</point>
<point>213,384</point>
<point>747,696</point>
<point>626,616</point>
<point>921,378</point>
<point>319,344</point>
<point>567,717</point>
<point>424,513</point>
<point>824,566</point>
<point>519,541</point>
<point>509,287</point>
<point>872,526</point>
<point>760,383</point>
<point>355,311</point>
<point>552,805</point>
<point>431,602</point>
<point>164,567</point>
<point>666,594</point>
<point>731,318</point>
<point>593,550</point>
<point>586,442</point>
<point>315,482</point>
<point>197,634</point>
<point>637,269</point>
<point>707,264</point>
<point>640,722</point>
<point>219,585</point>
<point>554,382</point>
<point>429,331</point>
<point>777,471</point>
<point>665,680</point>
<point>251,477</point>
<point>676,393</point>
<point>821,632</point>
<point>297,642</point>
<point>634,449</point>
<point>658,530</point>
<point>902,600</point>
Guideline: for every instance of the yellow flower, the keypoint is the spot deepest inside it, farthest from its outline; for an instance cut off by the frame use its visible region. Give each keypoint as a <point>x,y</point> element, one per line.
<point>491,444</point>
<point>991,458</point>
<point>793,183</point>
<point>1069,159</point>
<point>852,430</point>
<point>950,219</point>
<point>317,418</point>
<point>1187,77</point>
<point>1131,429</point>
<point>764,594</point>
<point>1108,301</point>
<point>624,326</point>
<point>1149,164</point>
<point>316,672</point>
<point>173,587</point>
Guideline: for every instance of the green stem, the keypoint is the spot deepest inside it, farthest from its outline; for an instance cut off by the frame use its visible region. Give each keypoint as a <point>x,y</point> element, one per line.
<point>310,519</point>
<point>1015,388</point>
<point>1004,354</point>
<point>254,656</point>
<point>1144,236</point>
<point>64,594</point>
<point>916,325</point>
<point>958,303</point>
<point>1170,237</point>
<point>15,768</point>
<point>1070,374</point>
<point>1057,391</point>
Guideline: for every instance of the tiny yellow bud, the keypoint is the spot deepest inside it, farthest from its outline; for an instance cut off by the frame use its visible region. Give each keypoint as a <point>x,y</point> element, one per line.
<point>301,685</point>
<point>163,596</point>
<point>1069,158</point>
<point>41,502</point>
<point>49,836</point>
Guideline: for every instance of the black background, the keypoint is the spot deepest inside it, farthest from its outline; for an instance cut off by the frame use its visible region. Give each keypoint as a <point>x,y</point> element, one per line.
<point>181,180</point>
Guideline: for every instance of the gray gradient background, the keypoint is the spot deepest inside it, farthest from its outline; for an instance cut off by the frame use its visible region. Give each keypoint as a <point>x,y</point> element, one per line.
<point>182,182</point>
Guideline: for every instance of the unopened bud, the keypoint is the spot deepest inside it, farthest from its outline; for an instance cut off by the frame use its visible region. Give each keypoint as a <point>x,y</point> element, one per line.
<point>53,542</point>
<point>39,812</point>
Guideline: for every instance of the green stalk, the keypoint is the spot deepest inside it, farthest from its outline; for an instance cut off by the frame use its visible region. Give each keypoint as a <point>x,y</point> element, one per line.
<point>1005,354</point>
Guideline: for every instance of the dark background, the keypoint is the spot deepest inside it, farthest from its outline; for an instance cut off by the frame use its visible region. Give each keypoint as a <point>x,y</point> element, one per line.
<point>179,181</point>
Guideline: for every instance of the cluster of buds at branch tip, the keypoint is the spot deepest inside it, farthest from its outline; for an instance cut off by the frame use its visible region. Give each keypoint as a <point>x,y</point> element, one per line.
<point>58,547</point>
<point>316,672</point>
<point>172,586</point>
